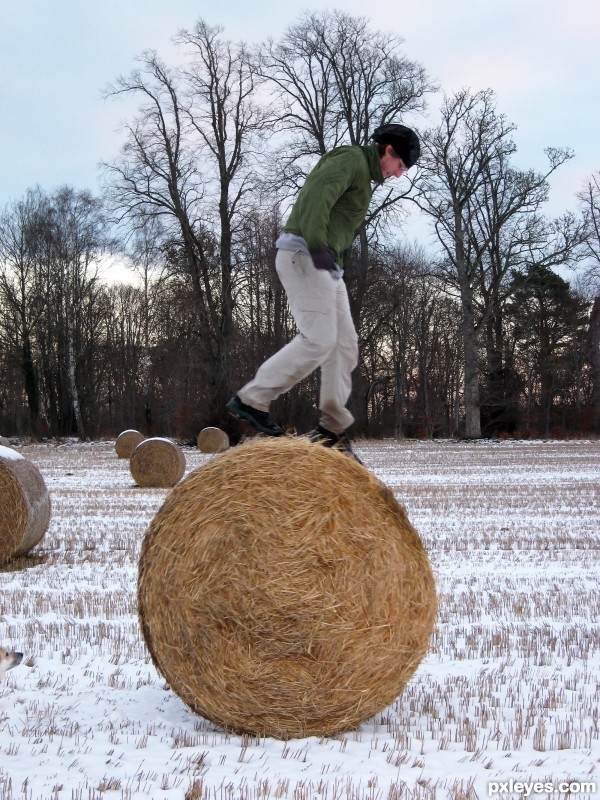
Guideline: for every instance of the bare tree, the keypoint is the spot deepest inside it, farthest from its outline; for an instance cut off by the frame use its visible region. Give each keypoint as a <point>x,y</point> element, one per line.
<point>222,110</point>
<point>334,80</point>
<point>20,290</point>
<point>146,256</point>
<point>486,217</point>
<point>75,237</point>
<point>187,153</point>
<point>589,200</point>
<point>50,246</point>
<point>594,356</point>
<point>410,350</point>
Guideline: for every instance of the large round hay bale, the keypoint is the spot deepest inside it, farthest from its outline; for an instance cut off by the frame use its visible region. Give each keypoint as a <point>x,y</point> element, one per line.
<point>213,440</point>
<point>127,441</point>
<point>25,505</point>
<point>157,462</point>
<point>283,592</point>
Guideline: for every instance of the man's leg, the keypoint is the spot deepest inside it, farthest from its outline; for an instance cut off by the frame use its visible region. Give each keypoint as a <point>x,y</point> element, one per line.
<point>312,298</point>
<point>336,370</point>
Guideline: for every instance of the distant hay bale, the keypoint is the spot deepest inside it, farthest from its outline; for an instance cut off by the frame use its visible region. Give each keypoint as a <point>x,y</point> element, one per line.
<point>156,463</point>
<point>283,592</point>
<point>127,442</point>
<point>4,442</point>
<point>25,505</point>
<point>213,440</point>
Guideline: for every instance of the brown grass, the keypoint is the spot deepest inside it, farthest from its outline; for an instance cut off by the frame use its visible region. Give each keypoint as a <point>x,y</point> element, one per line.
<point>25,507</point>
<point>157,463</point>
<point>283,592</point>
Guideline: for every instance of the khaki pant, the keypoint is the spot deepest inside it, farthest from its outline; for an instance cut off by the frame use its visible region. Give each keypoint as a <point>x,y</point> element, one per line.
<point>326,339</point>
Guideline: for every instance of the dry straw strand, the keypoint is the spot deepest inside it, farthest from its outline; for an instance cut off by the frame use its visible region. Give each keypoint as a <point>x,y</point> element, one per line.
<point>213,440</point>
<point>157,463</point>
<point>283,592</point>
<point>25,505</point>
<point>127,441</point>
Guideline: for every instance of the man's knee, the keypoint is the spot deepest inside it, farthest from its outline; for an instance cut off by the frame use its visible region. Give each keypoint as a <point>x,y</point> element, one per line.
<point>319,348</point>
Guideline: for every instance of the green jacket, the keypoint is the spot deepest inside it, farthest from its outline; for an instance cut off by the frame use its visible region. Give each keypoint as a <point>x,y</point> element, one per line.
<point>333,203</point>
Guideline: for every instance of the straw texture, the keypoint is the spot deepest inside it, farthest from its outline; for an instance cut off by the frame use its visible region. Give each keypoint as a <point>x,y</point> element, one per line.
<point>25,505</point>
<point>283,592</point>
<point>213,440</point>
<point>126,443</point>
<point>157,462</point>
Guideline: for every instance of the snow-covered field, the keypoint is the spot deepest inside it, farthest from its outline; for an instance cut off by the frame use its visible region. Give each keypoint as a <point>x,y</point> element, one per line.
<point>506,704</point>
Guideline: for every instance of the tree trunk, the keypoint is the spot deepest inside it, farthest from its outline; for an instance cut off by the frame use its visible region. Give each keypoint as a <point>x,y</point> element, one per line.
<point>472,415</point>
<point>75,393</point>
<point>223,383</point>
<point>31,384</point>
<point>400,390</point>
<point>469,334</point>
<point>595,360</point>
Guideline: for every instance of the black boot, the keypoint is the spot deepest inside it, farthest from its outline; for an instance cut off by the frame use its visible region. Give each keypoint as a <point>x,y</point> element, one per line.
<point>321,435</point>
<point>260,420</point>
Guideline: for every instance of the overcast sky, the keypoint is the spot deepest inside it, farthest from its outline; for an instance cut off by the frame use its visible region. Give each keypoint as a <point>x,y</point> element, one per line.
<point>541,57</point>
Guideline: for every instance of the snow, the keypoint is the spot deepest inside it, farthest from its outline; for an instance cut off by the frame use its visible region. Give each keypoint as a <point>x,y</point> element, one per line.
<point>507,695</point>
<point>9,454</point>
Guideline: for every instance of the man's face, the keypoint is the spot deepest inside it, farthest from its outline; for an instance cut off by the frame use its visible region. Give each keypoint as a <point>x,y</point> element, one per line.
<point>391,165</point>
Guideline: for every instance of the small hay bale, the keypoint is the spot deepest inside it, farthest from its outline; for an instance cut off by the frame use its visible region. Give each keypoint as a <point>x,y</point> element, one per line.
<point>157,463</point>
<point>127,442</point>
<point>283,592</point>
<point>4,442</point>
<point>213,440</point>
<point>25,505</point>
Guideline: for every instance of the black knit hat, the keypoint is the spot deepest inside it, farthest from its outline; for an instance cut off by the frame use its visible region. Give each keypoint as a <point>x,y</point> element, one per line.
<point>404,141</point>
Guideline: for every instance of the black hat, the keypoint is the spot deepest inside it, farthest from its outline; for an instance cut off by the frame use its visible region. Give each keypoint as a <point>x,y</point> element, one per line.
<point>404,141</point>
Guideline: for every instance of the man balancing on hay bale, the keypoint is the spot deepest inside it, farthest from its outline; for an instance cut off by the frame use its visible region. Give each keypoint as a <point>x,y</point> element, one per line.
<point>325,218</point>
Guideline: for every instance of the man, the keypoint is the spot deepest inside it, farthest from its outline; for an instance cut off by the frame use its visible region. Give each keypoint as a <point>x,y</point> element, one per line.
<point>325,218</point>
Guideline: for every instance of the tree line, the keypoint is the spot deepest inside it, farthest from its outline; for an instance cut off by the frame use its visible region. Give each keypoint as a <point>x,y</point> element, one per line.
<point>479,336</point>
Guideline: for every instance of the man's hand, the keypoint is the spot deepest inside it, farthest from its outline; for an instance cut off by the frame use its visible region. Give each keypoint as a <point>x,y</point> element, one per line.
<point>323,258</point>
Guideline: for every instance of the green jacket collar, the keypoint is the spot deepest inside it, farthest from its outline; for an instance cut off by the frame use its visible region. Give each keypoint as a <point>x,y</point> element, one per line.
<point>372,155</point>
